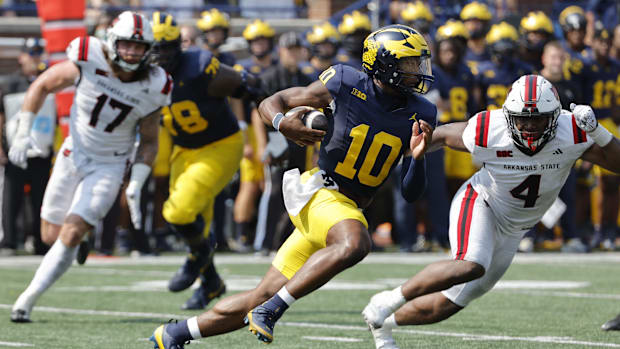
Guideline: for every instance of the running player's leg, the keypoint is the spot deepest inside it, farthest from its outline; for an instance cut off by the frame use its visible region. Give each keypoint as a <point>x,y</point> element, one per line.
<point>472,238</point>
<point>196,177</point>
<point>94,195</point>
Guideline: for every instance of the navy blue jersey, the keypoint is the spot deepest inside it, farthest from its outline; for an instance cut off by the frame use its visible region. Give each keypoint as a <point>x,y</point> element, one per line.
<point>227,58</point>
<point>496,80</point>
<point>194,118</point>
<point>600,86</point>
<point>250,66</point>
<point>473,60</point>
<point>455,88</point>
<point>369,131</point>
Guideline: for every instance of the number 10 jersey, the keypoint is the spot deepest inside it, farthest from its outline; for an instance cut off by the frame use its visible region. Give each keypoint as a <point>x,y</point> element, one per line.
<point>105,110</point>
<point>520,188</point>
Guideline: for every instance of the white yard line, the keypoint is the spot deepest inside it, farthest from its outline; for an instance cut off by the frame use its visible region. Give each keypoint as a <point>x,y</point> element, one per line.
<point>373,258</point>
<point>15,344</point>
<point>333,339</point>
<point>464,336</point>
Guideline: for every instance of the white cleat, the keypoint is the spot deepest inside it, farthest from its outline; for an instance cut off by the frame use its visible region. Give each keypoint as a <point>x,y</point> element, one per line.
<point>383,338</point>
<point>377,310</point>
<point>22,308</point>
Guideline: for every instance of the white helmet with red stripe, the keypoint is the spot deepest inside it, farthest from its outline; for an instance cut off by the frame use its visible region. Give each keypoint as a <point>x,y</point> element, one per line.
<point>532,108</point>
<point>130,26</point>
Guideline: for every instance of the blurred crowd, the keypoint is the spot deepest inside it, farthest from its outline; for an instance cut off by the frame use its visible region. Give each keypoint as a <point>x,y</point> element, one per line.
<point>478,50</point>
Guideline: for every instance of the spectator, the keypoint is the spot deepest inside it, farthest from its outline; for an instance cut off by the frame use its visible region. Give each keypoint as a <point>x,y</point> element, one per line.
<point>36,174</point>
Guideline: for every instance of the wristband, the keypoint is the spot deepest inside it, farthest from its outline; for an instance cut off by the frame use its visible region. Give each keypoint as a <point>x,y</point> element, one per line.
<point>601,136</point>
<point>26,118</point>
<point>276,121</point>
<point>242,125</point>
<point>139,173</point>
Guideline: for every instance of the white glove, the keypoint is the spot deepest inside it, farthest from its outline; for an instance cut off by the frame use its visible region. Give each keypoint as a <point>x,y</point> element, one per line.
<point>586,120</point>
<point>139,173</point>
<point>584,116</point>
<point>18,153</point>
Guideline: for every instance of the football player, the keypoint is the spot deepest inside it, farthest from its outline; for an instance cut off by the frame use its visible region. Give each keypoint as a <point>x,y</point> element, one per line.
<point>377,118</point>
<point>215,27</point>
<point>476,17</point>
<point>118,95</point>
<point>528,149</point>
<point>573,22</point>
<point>207,149</point>
<point>260,37</point>
<point>325,42</point>
<point>600,78</point>
<point>497,75</point>
<point>417,15</point>
<point>537,30</point>
<point>457,94</point>
<point>354,29</point>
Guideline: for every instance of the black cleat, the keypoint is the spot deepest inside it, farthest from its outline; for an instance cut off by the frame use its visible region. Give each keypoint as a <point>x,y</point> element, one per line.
<point>612,325</point>
<point>20,316</point>
<point>189,272</point>
<point>204,295</point>
<point>82,253</point>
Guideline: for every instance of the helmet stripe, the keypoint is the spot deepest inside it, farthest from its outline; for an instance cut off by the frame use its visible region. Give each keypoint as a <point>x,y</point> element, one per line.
<point>530,91</point>
<point>137,24</point>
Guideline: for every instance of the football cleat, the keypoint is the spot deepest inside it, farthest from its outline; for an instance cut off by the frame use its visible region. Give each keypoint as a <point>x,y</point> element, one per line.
<point>163,340</point>
<point>82,253</point>
<point>377,310</point>
<point>20,316</point>
<point>383,338</point>
<point>189,271</point>
<point>612,325</point>
<point>204,294</point>
<point>262,321</point>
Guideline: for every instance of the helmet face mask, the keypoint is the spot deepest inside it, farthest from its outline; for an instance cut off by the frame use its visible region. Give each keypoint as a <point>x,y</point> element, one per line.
<point>399,57</point>
<point>129,27</point>
<point>532,109</point>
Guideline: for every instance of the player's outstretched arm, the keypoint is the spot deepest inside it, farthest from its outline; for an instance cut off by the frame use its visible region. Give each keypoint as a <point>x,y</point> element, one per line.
<point>314,95</point>
<point>229,82</point>
<point>606,157</point>
<point>413,176</point>
<point>450,135</point>
<point>605,151</point>
<point>140,170</point>
<point>54,79</point>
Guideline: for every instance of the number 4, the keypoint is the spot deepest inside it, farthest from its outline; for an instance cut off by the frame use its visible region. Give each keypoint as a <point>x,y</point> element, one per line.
<point>531,184</point>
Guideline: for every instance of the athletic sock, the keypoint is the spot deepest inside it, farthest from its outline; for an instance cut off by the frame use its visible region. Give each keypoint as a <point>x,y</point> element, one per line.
<point>396,298</point>
<point>55,263</point>
<point>286,297</point>
<point>390,322</point>
<point>180,331</point>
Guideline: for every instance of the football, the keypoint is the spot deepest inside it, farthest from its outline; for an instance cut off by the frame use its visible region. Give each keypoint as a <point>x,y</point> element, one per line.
<point>313,119</point>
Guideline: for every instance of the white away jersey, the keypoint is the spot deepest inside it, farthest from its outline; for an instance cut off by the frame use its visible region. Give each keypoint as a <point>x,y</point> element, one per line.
<point>517,187</point>
<point>105,110</point>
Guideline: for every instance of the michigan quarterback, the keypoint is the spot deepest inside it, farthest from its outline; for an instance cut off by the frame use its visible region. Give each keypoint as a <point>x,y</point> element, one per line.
<point>377,116</point>
<point>207,150</point>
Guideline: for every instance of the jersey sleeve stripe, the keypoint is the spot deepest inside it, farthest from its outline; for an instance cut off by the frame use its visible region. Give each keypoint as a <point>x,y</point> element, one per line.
<point>83,49</point>
<point>482,129</point>
<point>579,135</point>
<point>168,85</point>
<point>464,222</point>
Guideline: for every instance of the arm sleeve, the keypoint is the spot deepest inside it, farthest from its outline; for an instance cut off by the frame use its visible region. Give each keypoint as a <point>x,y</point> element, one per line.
<point>469,134</point>
<point>413,178</point>
<point>332,79</point>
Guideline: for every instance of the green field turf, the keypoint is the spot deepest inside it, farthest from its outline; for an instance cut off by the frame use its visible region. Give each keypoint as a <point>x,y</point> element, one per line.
<point>116,303</point>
